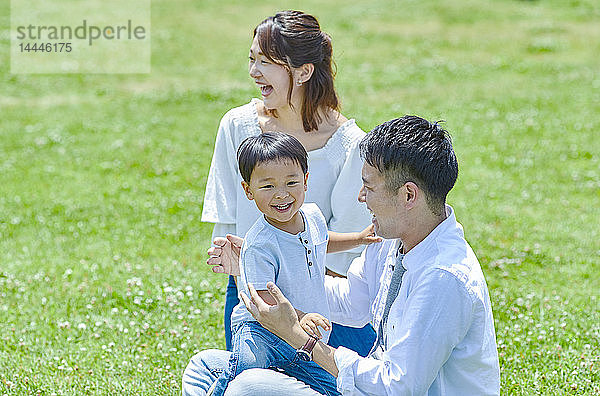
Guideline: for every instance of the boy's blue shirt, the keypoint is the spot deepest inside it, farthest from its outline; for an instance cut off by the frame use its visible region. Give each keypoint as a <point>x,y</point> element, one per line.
<point>295,263</point>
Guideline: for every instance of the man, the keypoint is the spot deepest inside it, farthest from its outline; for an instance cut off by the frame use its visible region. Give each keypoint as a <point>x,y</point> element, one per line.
<point>422,287</point>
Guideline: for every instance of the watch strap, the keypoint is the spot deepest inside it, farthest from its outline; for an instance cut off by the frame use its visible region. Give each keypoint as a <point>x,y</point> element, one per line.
<point>310,344</point>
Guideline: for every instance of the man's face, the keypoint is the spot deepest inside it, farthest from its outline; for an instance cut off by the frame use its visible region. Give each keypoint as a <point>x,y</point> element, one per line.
<point>387,213</point>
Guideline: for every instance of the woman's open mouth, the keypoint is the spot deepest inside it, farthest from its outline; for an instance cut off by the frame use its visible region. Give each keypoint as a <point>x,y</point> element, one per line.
<point>266,90</point>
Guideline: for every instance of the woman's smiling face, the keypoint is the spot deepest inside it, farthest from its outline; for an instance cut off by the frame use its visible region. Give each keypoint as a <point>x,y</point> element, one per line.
<point>272,79</point>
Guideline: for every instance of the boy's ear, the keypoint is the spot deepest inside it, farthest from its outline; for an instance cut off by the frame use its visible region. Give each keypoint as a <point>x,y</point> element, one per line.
<point>306,181</point>
<point>247,190</point>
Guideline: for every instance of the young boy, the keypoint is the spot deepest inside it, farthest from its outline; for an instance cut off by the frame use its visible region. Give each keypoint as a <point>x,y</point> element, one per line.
<point>286,246</point>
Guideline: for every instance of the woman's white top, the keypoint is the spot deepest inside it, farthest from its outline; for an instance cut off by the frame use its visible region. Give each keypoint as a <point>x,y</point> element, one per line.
<point>333,183</point>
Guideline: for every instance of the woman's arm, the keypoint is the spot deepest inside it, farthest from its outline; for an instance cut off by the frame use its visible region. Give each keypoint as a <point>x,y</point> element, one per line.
<point>348,214</point>
<point>220,194</point>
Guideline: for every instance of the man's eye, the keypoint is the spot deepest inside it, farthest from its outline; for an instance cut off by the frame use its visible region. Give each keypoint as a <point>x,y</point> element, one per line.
<point>266,187</point>
<point>292,183</point>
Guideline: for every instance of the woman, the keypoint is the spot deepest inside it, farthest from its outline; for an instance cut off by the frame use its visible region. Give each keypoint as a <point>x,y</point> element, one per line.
<point>290,62</point>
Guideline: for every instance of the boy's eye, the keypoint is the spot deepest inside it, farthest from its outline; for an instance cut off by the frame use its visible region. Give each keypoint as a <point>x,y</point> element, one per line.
<point>292,183</point>
<point>265,187</point>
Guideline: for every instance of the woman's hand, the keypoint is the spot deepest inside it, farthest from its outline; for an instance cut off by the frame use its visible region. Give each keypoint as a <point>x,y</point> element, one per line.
<point>225,255</point>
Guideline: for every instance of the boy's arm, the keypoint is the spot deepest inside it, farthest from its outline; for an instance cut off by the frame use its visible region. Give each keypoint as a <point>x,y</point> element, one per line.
<point>268,298</point>
<point>340,241</point>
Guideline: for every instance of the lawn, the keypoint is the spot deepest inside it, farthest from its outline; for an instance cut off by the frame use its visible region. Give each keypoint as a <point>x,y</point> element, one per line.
<point>103,286</point>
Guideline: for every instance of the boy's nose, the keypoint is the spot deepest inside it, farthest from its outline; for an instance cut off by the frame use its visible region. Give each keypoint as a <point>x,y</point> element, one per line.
<point>281,194</point>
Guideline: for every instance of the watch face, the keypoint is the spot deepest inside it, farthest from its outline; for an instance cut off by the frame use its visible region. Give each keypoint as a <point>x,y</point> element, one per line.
<point>303,355</point>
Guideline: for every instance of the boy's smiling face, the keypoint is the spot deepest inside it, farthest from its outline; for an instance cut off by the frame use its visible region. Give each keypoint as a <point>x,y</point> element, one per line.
<point>278,188</point>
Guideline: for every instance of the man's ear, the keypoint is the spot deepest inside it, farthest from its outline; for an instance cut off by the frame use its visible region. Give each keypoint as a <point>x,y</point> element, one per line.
<point>306,181</point>
<point>247,190</point>
<point>412,194</point>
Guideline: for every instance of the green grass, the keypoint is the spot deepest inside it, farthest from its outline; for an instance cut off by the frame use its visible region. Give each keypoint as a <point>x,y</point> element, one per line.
<point>103,289</point>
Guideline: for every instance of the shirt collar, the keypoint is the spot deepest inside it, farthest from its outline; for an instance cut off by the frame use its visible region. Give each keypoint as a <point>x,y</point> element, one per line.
<point>415,257</point>
<point>284,234</point>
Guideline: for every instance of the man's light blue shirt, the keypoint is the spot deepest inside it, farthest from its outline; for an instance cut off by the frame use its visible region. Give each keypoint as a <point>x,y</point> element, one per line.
<point>440,330</point>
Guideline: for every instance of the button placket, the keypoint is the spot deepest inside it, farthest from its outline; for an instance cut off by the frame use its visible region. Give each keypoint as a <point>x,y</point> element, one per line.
<point>308,253</point>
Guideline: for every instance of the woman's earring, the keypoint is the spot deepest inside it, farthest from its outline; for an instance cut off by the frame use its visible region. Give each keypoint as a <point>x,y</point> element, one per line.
<point>298,83</point>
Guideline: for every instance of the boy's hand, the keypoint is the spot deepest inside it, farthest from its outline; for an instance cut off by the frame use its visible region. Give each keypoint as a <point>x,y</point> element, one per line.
<point>340,241</point>
<point>311,322</point>
<point>367,236</point>
<point>225,255</point>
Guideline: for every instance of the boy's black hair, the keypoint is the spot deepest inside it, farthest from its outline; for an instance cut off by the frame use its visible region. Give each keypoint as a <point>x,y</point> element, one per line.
<point>413,149</point>
<point>270,146</point>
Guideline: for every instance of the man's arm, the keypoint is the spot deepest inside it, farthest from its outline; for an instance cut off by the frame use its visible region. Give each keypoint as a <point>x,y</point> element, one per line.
<point>420,347</point>
<point>281,319</point>
<point>350,298</point>
<point>435,318</point>
<point>270,300</point>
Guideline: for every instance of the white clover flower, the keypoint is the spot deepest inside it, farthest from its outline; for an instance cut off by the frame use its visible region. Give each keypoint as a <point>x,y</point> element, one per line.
<point>64,325</point>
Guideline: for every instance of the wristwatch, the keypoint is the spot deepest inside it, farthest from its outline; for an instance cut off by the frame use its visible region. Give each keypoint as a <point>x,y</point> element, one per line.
<point>305,353</point>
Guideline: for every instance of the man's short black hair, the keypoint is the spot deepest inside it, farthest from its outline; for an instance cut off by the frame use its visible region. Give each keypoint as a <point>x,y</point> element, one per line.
<point>270,146</point>
<point>413,149</point>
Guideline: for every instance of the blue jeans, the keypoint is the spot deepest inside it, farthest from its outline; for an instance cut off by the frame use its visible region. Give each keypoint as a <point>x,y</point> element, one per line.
<point>205,367</point>
<point>256,347</point>
<point>359,340</point>
<point>231,300</point>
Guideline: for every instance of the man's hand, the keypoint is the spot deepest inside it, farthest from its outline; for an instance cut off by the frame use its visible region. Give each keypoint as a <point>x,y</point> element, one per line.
<point>311,323</point>
<point>225,255</point>
<point>280,319</point>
